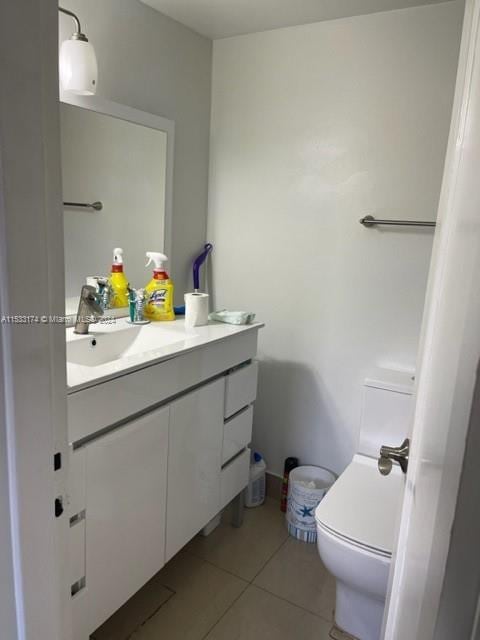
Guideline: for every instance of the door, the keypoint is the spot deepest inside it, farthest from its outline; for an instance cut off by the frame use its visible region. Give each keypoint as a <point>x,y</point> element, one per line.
<point>126,478</point>
<point>194,463</point>
<point>34,599</point>
<point>449,355</point>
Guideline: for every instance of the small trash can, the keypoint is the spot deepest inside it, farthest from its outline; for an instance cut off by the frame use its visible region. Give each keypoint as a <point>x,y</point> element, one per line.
<point>306,487</point>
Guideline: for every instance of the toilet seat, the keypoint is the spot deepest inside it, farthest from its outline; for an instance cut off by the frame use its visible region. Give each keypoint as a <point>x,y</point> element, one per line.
<point>353,543</point>
<point>362,507</point>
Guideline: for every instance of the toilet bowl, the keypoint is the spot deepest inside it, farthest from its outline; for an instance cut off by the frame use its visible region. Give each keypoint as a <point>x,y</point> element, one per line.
<point>357,519</point>
<point>355,537</point>
<point>361,584</point>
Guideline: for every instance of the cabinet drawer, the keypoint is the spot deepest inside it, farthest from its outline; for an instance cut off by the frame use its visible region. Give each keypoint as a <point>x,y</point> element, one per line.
<point>234,477</point>
<point>241,388</point>
<point>237,433</point>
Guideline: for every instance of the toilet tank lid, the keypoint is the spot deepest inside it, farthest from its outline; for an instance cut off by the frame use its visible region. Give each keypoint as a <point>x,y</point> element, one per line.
<point>390,380</point>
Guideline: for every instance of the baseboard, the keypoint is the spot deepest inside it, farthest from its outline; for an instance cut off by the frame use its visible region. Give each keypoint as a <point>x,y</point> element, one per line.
<point>337,634</point>
<point>273,484</point>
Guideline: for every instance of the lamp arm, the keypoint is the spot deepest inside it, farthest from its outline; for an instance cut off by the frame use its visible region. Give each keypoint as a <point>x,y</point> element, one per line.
<point>72,15</point>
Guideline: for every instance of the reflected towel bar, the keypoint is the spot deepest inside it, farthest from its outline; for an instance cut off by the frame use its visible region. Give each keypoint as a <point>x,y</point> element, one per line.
<point>370,221</point>
<point>98,206</point>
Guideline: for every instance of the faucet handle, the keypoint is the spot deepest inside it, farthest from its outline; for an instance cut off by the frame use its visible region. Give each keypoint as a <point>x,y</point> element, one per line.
<point>89,295</point>
<point>388,455</point>
<point>87,291</point>
<point>89,309</point>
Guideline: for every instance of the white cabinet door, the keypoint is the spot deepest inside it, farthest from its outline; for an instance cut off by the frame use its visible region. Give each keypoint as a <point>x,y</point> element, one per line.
<point>194,462</point>
<point>126,473</point>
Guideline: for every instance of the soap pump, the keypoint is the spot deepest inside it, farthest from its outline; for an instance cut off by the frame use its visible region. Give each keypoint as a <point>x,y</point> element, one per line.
<point>118,281</point>
<point>159,291</point>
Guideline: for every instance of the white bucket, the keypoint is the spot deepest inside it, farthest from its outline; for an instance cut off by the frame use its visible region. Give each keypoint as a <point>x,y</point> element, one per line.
<point>306,487</point>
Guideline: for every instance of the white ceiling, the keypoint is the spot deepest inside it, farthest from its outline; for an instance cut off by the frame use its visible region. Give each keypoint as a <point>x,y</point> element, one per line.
<point>224,18</point>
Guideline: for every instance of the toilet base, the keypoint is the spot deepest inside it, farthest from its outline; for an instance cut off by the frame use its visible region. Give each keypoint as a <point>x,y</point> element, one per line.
<point>359,614</point>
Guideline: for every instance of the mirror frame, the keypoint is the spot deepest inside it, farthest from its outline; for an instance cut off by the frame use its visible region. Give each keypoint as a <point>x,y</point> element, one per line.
<point>130,114</point>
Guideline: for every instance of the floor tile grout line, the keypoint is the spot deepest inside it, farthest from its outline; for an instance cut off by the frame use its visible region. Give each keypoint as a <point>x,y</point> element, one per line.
<point>250,585</point>
<point>247,586</point>
<point>149,616</point>
<point>269,559</point>
<point>294,604</point>
<point>235,575</point>
<point>216,566</point>
<point>154,613</point>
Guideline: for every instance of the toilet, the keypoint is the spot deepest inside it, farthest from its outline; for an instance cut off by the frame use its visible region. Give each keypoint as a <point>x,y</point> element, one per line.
<point>358,518</point>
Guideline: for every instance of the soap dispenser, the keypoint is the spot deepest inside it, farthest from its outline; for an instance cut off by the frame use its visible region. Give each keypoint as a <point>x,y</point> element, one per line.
<point>159,291</point>
<point>118,281</point>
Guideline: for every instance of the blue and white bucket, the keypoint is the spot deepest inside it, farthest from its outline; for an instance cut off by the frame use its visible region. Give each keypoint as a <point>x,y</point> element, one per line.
<point>307,486</point>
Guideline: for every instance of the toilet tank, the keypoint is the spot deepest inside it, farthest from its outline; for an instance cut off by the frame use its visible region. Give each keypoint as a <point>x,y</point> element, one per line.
<point>387,410</point>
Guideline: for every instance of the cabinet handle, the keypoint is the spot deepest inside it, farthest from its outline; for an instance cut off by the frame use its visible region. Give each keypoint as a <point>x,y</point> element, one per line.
<point>58,507</point>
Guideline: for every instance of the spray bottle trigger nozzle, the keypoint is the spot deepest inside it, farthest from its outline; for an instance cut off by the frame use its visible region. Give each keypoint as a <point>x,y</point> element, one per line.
<point>157,258</point>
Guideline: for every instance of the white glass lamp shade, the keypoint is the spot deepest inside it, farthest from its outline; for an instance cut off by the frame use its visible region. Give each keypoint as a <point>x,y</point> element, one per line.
<point>78,67</point>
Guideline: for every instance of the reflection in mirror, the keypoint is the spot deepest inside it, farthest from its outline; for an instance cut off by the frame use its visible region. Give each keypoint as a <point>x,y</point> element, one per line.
<point>121,164</point>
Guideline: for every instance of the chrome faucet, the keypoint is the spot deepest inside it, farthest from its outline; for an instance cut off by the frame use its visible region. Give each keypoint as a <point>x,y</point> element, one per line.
<point>89,309</point>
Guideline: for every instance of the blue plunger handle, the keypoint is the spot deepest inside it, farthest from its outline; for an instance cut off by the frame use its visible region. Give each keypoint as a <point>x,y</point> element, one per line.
<point>198,263</point>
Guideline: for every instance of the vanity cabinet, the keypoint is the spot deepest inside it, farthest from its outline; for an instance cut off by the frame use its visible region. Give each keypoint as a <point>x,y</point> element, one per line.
<point>142,487</point>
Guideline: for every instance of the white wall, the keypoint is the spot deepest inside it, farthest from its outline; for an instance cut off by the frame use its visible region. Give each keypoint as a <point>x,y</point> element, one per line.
<point>153,63</point>
<point>123,165</point>
<point>312,128</point>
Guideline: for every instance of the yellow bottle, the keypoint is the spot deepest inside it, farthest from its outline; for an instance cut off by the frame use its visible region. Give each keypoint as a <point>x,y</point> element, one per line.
<point>118,281</point>
<point>159,291</point>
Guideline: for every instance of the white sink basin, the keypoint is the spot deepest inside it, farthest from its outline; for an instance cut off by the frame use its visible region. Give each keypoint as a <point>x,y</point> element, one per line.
<point>119,348</point>
<point>102,346</point>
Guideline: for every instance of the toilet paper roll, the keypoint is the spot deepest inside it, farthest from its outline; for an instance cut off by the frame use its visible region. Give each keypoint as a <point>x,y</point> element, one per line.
<point>93,280</point>
<point>196,309</point>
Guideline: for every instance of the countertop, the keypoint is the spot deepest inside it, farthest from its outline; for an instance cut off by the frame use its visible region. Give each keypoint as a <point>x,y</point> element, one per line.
<point>80,376</point>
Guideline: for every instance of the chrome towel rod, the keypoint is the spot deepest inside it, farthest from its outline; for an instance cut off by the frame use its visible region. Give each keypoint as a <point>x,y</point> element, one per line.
<point>370,221</point>
<point>98,206</point>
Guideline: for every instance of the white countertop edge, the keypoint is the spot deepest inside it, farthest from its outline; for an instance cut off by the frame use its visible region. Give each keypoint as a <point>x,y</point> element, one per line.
<point>195,339</point>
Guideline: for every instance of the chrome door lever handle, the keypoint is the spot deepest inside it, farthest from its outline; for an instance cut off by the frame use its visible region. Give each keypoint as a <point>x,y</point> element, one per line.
<point>388,455</point>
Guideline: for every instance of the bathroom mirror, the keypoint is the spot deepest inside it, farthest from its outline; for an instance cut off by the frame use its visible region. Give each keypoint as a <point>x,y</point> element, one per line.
<point>120,160</point>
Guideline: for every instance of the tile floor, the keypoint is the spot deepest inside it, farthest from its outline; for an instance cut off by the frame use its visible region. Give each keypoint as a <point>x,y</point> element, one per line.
<point>251,583</point>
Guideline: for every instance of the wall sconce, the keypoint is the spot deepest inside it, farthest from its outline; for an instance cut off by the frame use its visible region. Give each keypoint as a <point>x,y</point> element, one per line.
<point>78,62</point>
